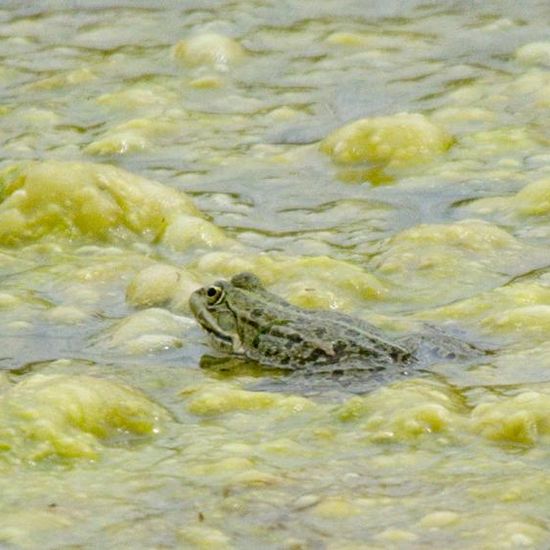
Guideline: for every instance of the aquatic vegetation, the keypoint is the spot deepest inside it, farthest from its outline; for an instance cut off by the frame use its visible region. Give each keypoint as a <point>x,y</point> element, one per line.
<point>397,140</point>
<point>66,417</point>
<point>209,49</point>
<point>97,201</point>
<point>388,160</point>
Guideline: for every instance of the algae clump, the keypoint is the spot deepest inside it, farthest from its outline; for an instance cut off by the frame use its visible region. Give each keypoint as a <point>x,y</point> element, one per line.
<point>209,49</point>
<point>152,329</point>
<point>404,411</point>
<point>522,419</point>
<point>80,199</point>
<point>533,200</point>
<point>59,416</point>
<point>398,140</point>
<point>423,260</point>
<point>314,281</point>
<point>224,398</point>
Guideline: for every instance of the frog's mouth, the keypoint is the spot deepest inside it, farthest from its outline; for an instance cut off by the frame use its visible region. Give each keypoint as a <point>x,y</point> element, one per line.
<point>224,340</point>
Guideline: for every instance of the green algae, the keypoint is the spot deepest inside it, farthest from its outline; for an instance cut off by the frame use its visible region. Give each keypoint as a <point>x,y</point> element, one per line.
<point>68,417</point>
<point>87,200</point>
<point>446,222</point>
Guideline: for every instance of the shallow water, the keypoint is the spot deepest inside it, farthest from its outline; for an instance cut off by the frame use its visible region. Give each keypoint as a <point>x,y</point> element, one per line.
<point>110,432</point>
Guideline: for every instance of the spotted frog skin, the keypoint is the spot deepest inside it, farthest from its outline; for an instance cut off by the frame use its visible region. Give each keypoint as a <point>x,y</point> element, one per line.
<point>243,318</point>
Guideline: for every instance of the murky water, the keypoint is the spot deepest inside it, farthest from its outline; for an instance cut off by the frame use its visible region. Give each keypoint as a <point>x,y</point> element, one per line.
<point>111,434</point>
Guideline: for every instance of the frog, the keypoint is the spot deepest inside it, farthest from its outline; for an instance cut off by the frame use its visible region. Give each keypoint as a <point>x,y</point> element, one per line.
<point>242,318</point>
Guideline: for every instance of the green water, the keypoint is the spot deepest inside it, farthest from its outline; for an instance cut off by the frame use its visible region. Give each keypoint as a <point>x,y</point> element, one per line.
<point>111,435</point>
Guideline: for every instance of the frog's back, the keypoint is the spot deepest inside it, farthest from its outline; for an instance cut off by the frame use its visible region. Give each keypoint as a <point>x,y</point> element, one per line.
<point>297,338</point>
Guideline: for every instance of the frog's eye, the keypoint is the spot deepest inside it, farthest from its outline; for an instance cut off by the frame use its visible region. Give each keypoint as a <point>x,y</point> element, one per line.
<point>214,294</point>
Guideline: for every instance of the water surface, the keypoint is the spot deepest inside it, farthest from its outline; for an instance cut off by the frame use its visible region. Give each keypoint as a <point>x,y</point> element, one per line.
<point>110,432</point>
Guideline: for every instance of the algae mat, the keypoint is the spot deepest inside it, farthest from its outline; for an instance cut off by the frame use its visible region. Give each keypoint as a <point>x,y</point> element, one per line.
<point>387,159</point>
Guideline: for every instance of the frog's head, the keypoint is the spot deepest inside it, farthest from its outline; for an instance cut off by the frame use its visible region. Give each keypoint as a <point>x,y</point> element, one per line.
<point>218,309</point>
